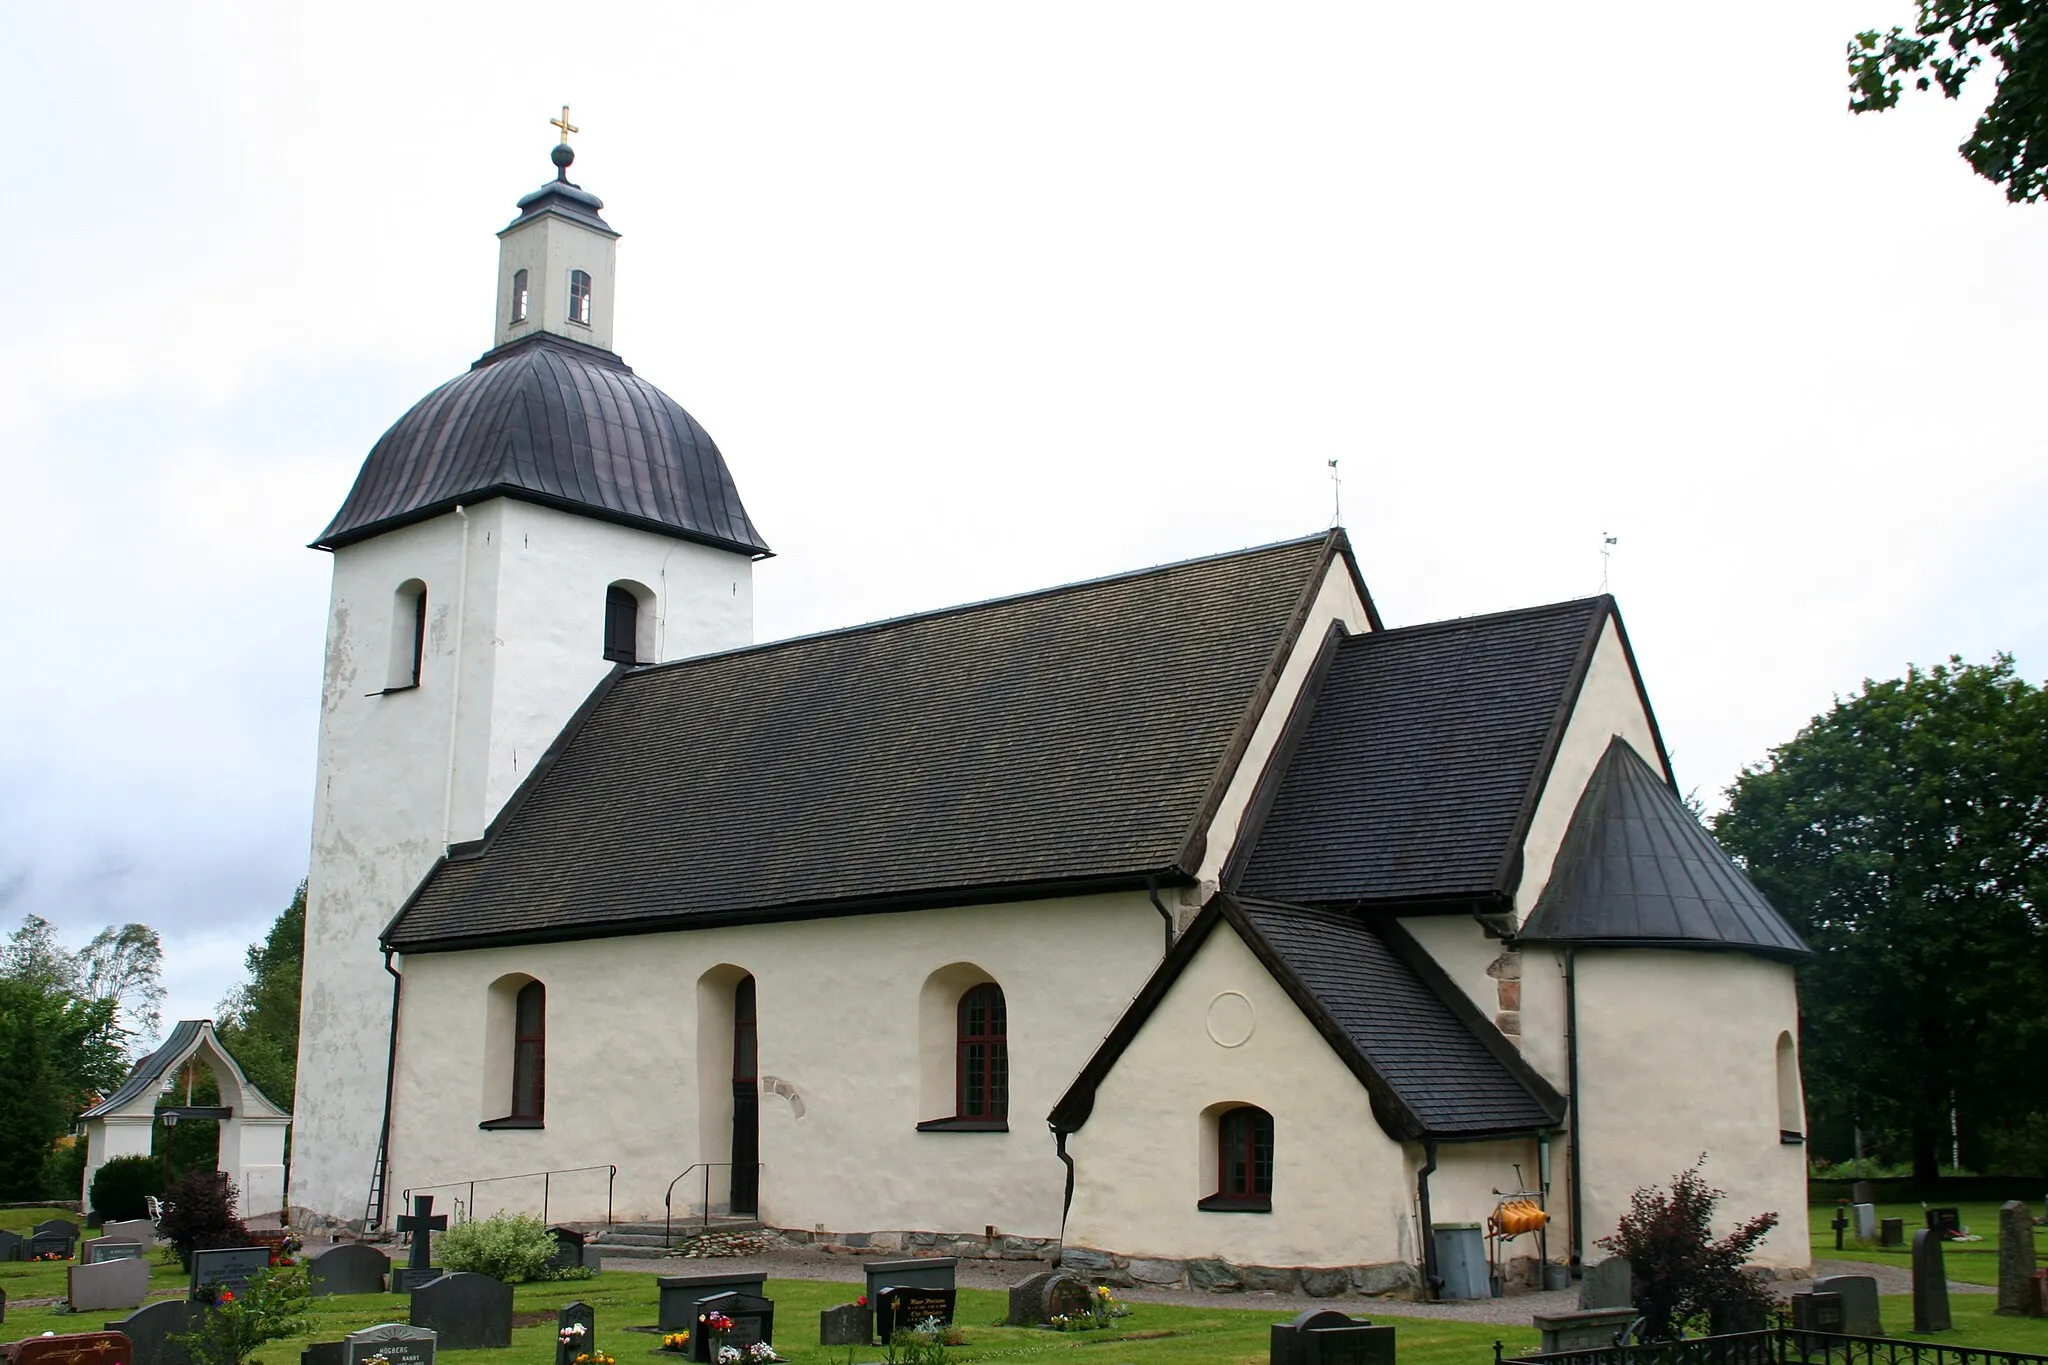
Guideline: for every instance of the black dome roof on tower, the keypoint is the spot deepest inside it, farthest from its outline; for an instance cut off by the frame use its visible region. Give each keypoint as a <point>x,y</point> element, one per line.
<point>550,421</point>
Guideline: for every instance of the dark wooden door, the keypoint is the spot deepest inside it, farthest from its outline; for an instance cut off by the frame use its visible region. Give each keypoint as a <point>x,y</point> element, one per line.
<point>746,1103</point>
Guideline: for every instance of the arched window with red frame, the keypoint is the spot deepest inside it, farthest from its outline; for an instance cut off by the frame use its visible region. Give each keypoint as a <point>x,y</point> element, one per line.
<point>529,1052</point>
<point>1244,1161</point>
<point>984,1054</point>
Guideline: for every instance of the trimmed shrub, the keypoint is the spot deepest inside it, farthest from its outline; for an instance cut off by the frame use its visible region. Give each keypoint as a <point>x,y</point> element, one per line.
<point>199,1214</point>
<point>506,1246</point>
<point>122,1187</point>
<point>1684,1280</point>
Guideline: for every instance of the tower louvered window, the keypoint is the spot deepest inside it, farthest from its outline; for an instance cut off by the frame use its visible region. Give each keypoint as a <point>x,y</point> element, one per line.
<point>621,626</point>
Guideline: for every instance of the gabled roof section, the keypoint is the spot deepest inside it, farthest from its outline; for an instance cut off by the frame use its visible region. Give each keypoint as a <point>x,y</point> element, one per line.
<point>548,420</point>
<point>1434,1068</point>
<point>1637,870</point>
<point>1416,775</point>
<point>1063,741</point>
<point>188,1039</point>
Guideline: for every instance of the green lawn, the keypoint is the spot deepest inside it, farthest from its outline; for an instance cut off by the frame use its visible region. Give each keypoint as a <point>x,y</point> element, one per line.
<point>1969,1262</point>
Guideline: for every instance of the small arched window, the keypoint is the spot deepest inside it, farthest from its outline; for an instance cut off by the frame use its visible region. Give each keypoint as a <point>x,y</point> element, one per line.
<point>1244,1161</point>
<point>519,296</point>
<point>621,625</point>
<point>984,1054</point>
<point>1791,1113</point>
<point>408,636</point>
<point>579,296</point>
<point>529,1053</point>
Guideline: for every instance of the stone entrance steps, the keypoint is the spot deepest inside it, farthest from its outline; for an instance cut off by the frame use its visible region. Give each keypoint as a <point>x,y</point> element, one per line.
<point>643,1241</point>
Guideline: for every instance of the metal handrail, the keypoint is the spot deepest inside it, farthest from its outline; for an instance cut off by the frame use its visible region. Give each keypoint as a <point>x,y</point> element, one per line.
<point>668,1196</point>
<point>1779,1345</point>
<point>546,1184</point>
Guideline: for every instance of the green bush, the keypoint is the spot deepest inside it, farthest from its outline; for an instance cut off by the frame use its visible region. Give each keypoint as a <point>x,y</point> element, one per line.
<point>199,1214</point>
<point>271,1308</point>
<point>63,1171</point>
<point>506,1246</point>
<point>122,1187</point>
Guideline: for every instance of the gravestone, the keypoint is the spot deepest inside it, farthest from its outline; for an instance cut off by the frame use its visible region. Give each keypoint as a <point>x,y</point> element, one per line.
<point>575,1332</point>
<point>1863,1192</point>
<point>42,1244</point>
<point>229,1268</point>
<point>1818,1312</point>
<point>13,1246</point>
<point>1891,1232</point>
<point>97,1249</point>
<point>903,1307</point>
<point>419,1268</point>
<point>680,1295</point>
<point>1324,1336</point>
<point>1027,1300</point>
<point>1608,1284</point>
<point>1069,1296</point>
<point>73,1348</point>
<point>131,1230</point>
<point>57,1227</point>
<point>397,1342</point>
<point>3,1305</point>
<point>1948,1223</point>
<point>753,1320</point>
<point>1858,1294</point>
<point>1866,1221</point>
<point>351,1268</point>
<point>152,1331</point>
<point>466,1311</point>
<point>325,1353</point>
<point>109,1284</point>
<point>1930,1284</point>
<point>921,1272</point>
<point>851,1324</point>
<point>2015,1258</point>
<point>1595,1329</point>
<point>568,1249</point>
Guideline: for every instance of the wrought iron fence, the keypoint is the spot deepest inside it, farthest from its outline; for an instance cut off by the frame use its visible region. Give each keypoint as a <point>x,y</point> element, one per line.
<point>466,1209</point>
<point>1776,1346</point>
<point>704,1202</point>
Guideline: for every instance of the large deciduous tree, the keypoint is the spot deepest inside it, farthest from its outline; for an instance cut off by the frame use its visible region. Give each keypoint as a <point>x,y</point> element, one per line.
<point>1949,40</point>
<point>1905,833</point>
<point>260,1020</point>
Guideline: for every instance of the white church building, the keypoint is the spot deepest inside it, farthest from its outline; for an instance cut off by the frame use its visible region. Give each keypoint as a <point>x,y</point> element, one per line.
<point>1193,924</point>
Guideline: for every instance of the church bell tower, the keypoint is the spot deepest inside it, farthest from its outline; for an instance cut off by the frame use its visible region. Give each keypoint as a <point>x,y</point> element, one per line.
<point>537,521</point>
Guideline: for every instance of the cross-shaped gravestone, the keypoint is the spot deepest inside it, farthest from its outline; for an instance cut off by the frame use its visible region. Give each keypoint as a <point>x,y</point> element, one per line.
<point>422,1223</point>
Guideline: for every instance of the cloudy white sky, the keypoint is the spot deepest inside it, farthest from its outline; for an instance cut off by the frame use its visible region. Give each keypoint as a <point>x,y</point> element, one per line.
<point>981,298</point>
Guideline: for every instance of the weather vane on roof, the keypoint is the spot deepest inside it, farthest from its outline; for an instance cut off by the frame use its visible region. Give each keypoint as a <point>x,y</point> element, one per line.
<point>1336,495</point>
<point>564,124</point>
<point>1607,544</point>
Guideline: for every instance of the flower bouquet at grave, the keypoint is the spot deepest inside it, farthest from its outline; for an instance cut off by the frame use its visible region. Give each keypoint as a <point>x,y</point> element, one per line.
<point>676,1341</point>
<point>573,1335</point>
<point>1103,1306</point>
<point>595,1358</point>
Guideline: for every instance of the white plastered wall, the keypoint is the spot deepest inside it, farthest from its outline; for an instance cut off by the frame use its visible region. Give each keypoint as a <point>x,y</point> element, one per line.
<point>1677,1055</point>
<point>1336,600</point>
<point>1342,1189</point>
<point>839,1010</point>
<point>498,681</point>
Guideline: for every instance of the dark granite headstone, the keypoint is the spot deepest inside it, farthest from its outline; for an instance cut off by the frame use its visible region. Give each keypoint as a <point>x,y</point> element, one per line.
<point>2015,1257</point>
<point>325,1353</point>
<point>575,1332</point>
<point>42,1244</point>
<point>1813,1312</point>
<point>906,1307</point>
<point>422,1223</point>
<point>466,1311</point>
<point>1607,1284</point>
<point>107,1286</point>
<point>398,1342</point>
<point>1948,1223</point>
<point>13,1246</point>
<point>921,1272</point>
<point>56,1227</point>
<point>1324,1336</point>
<point>1930,1284</point>
<point>1863,1192</point>
<point>1891,1232</point>
<point>73,1348</point>
<point>1858,1294</point>
<point>1069,1296</point>
<point>849,1324</point>
<point>153,1330</point>
<point>351,1268</point>
<point>1027,1300</point>
<point>680,1295</point>
<point>752,1317</point>
<point>225,1268</point>
<point>568,1249</point>
<point>97,1249</point>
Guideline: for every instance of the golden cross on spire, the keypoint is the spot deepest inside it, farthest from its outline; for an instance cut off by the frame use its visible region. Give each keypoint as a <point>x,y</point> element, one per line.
<point>564,124</point>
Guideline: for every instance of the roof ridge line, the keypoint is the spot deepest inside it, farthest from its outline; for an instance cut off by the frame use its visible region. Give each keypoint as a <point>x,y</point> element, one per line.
<point>1447,622</point>
<point>979,604</point>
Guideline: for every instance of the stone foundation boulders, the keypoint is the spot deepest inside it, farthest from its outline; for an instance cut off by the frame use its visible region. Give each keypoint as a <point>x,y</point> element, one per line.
<point>1391,1279</point>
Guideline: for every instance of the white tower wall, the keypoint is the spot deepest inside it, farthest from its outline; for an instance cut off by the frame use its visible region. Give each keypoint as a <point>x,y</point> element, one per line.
<point>514,644</point>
